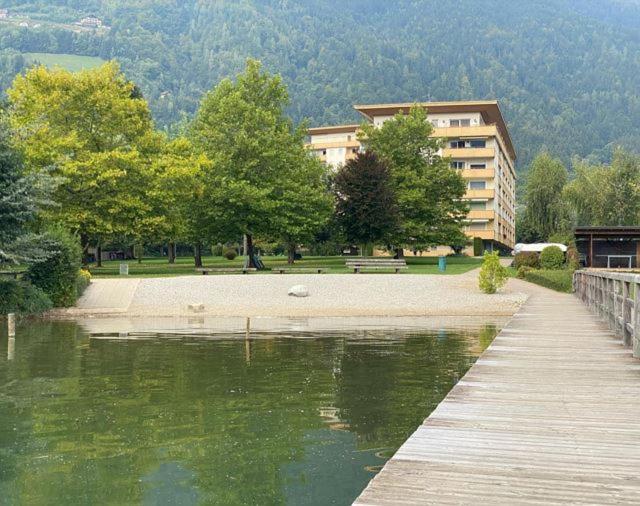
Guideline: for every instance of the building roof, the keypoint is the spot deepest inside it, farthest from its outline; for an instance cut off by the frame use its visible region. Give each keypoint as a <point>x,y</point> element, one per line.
<point>609,231</point>
<point>489,109</point>
<point>338,129</point>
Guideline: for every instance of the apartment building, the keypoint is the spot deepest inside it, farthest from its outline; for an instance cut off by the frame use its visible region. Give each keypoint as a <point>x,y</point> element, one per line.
<point>478,144</point>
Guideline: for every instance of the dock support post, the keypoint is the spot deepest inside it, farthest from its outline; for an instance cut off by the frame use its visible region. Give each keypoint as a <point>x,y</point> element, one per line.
<point>636,320</point>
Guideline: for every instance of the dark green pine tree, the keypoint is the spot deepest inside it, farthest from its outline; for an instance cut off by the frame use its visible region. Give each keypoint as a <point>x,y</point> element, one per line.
<point>366,205</point>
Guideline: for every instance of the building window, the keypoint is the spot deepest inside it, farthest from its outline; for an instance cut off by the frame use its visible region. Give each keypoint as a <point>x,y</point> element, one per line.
<point>434,122</point>
<point>457,165</point>
<point>477,185</point>
<point>477,226</point>
<point>477,143</point>
<point>478,165</point>
<point>348,138</point>
<point>457,144</point>
<point>460,122</point>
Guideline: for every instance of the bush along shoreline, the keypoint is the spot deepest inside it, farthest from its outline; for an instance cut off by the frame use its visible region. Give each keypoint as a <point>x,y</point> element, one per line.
<point>54,281</point>
<point>550,269</point>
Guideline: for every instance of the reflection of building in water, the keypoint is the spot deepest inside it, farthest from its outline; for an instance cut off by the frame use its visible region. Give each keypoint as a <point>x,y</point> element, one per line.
<point>331,418</point>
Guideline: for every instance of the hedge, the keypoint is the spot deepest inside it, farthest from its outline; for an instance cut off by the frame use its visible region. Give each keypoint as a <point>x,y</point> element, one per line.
<point>560,281</point>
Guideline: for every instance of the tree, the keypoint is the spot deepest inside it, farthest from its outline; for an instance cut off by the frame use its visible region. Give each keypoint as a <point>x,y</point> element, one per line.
<point>603,195</point>
<point>304,204</point>
<point>256,156</point>
<point>545,211</point>
<point>95,130</point>
<point>429,192</point>
<point>21,197</point>
<point>366,205</point>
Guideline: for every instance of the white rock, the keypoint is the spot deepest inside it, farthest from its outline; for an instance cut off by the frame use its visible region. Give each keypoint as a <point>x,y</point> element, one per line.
<point>299,291</point>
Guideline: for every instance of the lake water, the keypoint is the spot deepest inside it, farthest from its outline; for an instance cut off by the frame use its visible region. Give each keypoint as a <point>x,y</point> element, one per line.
<point>276,420</point>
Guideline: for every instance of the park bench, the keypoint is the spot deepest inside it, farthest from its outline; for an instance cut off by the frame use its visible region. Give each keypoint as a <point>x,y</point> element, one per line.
<point>358,265</point>
<point>229,270</point>
<point>299,270</point>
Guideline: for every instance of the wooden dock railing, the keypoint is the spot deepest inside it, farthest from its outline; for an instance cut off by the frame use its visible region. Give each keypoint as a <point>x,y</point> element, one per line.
<point>615,297</point>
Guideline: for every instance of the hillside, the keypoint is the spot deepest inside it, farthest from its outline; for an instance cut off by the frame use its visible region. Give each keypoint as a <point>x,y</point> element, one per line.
<point>566,72</point>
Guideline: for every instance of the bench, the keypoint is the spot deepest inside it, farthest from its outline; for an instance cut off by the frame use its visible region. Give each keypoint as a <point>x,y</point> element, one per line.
<point>243,270</point>
<point>376,264</point>
<point>300,270</point>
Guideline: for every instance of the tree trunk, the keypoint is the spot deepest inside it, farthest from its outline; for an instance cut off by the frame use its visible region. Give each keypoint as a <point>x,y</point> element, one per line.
<point>197,255</point>
<point>99,256</point>
<point>172,253</point>
<point>84,241</point>
<point>399,253</point>
<point>291,258</point>
<point>250,262</point>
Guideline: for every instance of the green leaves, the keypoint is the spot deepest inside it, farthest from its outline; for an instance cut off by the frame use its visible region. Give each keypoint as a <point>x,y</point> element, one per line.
<point>429,192</point>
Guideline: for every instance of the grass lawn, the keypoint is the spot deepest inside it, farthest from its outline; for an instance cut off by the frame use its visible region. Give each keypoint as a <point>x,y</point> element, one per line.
<point>160,267</point>
<point>71,62</point>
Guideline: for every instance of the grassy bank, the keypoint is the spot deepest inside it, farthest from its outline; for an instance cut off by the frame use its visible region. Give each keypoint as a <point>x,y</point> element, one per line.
<point>558,280</point>
<point>160,267</point>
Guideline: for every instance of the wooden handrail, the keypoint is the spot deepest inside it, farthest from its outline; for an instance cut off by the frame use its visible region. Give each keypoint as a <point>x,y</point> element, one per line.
<point>615,297</point>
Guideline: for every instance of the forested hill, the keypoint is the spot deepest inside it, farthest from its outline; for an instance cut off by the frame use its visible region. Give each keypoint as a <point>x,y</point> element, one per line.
<point>567,72</point>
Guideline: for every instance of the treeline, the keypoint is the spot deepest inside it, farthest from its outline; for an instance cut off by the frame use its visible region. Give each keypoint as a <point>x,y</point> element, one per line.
<point>89,168</point>
<point>556,66</point>
<point>595,195</point>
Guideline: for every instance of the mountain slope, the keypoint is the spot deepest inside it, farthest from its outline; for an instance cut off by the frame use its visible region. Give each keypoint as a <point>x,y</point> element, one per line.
<point>566,72</point>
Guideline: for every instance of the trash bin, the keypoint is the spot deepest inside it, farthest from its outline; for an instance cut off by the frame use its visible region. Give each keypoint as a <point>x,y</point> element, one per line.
<point>442,264</point>
<point>124,269</point>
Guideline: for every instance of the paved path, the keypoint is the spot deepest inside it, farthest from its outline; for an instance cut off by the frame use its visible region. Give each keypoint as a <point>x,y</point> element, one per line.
<point>550,414</point>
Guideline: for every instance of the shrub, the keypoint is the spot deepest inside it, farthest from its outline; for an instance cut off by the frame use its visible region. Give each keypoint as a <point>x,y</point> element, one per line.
<point>477,246</point>
<point>493,275</point>
<point>217,250</point>
<point>573,258</point>
<point>83,280</point>
<point>558,280</point>
<point>552,258</point>
<point>230,254</point>
<point>527,259</point>
<point>57,275</point>
<point>22,298</point>
<point>522,271</point>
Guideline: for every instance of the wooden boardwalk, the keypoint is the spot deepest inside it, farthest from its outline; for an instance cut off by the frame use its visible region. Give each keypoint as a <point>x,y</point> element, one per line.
<point>550,414</point>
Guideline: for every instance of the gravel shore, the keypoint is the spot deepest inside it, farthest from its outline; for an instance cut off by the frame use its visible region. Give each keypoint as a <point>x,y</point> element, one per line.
<point>266,296</point>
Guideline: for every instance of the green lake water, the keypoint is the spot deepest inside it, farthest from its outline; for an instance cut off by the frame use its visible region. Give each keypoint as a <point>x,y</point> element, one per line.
<point>277,420</point>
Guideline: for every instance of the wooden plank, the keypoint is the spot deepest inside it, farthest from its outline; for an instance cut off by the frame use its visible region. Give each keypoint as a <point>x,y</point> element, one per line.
<point>548,415</point>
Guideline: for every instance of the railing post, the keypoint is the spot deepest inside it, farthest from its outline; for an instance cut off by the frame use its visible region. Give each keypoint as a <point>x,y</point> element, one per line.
<point>636,320</point>
<point>626,313</point>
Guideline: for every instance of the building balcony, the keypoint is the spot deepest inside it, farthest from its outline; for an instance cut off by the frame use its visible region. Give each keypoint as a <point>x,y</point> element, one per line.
<point>480,194</point>
<point>487,235</point>
<point>478,173</point>
<point>478,214</point>
<point>335,144</point>
<point>468,152</point>
<point>471,132</point>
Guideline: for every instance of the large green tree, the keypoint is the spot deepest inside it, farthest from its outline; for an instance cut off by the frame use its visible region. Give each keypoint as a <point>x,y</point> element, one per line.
<point>545,211</point>
<point>601,195</point>
<point>22,196</point>
<point>429,192</point>
<point>94,129</point>
<point>366,204</point>
<point>262,181</point>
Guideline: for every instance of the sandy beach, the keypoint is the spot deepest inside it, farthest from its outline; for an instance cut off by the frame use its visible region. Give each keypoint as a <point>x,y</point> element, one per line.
<point>267,296</point>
